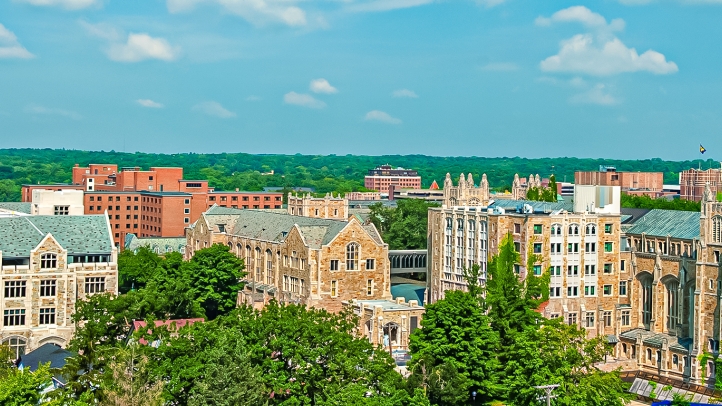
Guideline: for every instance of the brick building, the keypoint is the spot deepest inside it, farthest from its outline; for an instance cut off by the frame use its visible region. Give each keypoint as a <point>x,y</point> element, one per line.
<point>381,177</point>
<point>639,183</point>
<point>48,264</point>
<point>293,259</point>
<point>692,183</point>
<point>153,203</point>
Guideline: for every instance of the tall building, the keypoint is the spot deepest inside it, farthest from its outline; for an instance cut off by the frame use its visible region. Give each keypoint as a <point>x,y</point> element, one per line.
<point>578,243</point>
<point>153,203</point>
<point>609,176</point>
<point>381,177</point>
<point>692,183</point>
<point>48,264</point>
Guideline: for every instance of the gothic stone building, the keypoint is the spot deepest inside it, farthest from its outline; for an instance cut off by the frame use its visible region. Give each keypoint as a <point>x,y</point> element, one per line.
<point>294,259</point>
<point>48,264</point>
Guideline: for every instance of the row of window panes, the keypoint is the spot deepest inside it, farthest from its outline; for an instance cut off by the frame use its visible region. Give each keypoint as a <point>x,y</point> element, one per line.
<point>16,317</point>
<point>110,198</point>
<point>589,290</point>
<point>573,229</point>
<point>14,289</point>
<point>370,284</point>
<point>353,265</point>
<point>573,270</point>
<point>589,318</point>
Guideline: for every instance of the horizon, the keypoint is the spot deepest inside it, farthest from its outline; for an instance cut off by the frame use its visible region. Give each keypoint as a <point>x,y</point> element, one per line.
<point>424,77</point>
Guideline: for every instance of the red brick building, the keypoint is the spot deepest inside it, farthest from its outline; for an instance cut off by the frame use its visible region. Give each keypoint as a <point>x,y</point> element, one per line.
<point>692,183</point>
<point>153,203</point>
<point>638,183</point>
<point>384,176</point>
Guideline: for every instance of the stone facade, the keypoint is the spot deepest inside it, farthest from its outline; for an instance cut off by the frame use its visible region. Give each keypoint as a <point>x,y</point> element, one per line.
<point>40,286</point>
<point>387,323</point>
<point>317,262</point>
<point>328,207</point>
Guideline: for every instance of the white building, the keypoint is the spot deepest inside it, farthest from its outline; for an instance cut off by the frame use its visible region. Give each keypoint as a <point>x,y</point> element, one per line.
<point>65,202</point>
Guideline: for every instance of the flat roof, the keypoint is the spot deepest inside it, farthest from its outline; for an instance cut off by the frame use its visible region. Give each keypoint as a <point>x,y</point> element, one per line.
<point>241,192</point>
<point>387,305</point>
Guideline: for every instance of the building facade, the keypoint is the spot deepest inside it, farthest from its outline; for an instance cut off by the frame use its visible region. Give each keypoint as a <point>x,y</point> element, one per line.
<point>294,259</point>
<point>640,182</point>
<point>48,264</point>
<point>692,183</point>
<point>66,202</point>
<point>327,207</point>
<point>381,177</point>
<point>388,323</point>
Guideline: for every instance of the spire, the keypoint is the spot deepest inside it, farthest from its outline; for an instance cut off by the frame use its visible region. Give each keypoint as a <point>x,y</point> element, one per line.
<point>470,181</point>
<point>434,185</point>
<point>462,181</point>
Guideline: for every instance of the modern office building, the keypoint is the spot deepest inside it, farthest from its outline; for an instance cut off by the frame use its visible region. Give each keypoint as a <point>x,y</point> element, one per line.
<point>381,177</point>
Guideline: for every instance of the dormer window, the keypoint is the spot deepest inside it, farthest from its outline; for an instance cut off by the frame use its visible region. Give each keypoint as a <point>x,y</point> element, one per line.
<point>48,261</point>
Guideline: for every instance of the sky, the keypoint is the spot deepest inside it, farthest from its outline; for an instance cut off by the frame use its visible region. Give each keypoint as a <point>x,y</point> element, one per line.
<point>628,79</point>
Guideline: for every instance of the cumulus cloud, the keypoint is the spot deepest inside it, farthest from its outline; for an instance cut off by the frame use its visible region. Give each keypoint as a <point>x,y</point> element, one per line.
<point>322,86</point>
<point>37,109</point>
<point>377,115</point>
<point>10,47</point>
<point>500,67</point>
<point>599,53</point>
<point>304,100</point>
<point>595,95</point>
<point>405,93</point>
<point>213,108</point>
<point>140,47</point>
<point>67,4</point>
<point>149,103</point>
<point>254,11</point>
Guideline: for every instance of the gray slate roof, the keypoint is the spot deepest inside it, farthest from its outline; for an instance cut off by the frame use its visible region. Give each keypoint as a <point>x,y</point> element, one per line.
<point>16,206</point>
<point>274,226</point>
<point>539,207</point>
<point>661,223</point>
<point>156,244</point>
<point>77,234</point>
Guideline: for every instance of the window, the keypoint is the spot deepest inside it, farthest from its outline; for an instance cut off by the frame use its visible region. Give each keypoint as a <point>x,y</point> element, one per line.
<point>186,211</point>
<point>285,283</point>
<point>334,288</point>
<point>537,228</point>
<point>574,229</point>
<point>48,261</point>
<point>517,246</point>
<point>590,247</point>
<point>370,264</point>
<point>590,290</point>
<point>673,316</point>
<point>590,269</point>
<point>607,290</point>
<point>589,319</point>
<point>537,248</point>
<point>47,315</point>
<point>572,270</point>
<point>623,288</point>
<point>95,284</point>
<point>537,270</point>
<point>573,248</point>
<point>625,318</point>
<point>608,267</point>
<point>517,228</point>
<point>608,246</point>
<point>555,291</point>
<point>369,287</point>
<point>607,229</point>
<point>556,229</point>
<point>16,345</point>
<point>646,300</point>
<point>352,254</point>
<point>572,291</point>
<point>591,229</point>
<point>61,210</point>
<point>47,288</point>
<point>556,248</point>
<point>14,317</point>
<point>675,359</point>
<point>607,317</point>
<point>571,318</point>
<point>185,220</point>
<point>187,201</point>
<point>556,270</point>
<point>621,265</point>
<point>15,288</point>
<point>334,264</point>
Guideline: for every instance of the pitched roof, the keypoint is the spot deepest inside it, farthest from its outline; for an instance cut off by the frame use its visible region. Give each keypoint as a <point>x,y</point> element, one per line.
<point>77,234</point>
<point>16,206</point>
<point>274,226</point>
<point>46,353</point>
<point>539,207</point>
<point>662,223</point>
<point>156,244</point>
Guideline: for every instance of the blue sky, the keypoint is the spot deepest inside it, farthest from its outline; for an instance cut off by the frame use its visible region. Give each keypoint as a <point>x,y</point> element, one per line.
<point>609,78</point>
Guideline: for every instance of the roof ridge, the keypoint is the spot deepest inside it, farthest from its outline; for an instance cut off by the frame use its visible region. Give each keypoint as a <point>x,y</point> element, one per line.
<point>34,226</point>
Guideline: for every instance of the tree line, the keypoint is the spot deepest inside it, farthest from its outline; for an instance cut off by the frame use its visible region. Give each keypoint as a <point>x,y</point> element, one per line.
<point>485,346</point>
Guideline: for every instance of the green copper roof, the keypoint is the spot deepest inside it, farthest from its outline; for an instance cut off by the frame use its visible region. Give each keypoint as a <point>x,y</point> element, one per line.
<point>662,223</point>
<point>16,206</point>
<point>77,234</point>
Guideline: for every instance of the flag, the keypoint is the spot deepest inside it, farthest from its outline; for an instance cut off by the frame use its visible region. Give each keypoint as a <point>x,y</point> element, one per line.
<point>702,150</point>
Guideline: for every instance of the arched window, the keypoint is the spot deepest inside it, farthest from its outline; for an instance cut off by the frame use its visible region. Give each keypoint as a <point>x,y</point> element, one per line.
<point>269,267</point>
<point>352,255</point>
<point>472,226</point>
<point>460,224</point>
<point>574,229</point>
<point>649,355</point>
<point>646,282</point>
<point>449,223</point>
<point>591,229</point>
<point>48,261</point>
<point>672,304</point>
<point>258,264</point>
<point>16,345</point>
<point>556,229</point>
<point>239,250</point>
<point>717,228</point>
<point>248,255</point>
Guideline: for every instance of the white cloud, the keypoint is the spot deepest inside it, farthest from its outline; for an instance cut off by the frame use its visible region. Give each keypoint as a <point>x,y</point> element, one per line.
<point>254,11</point>
<point>322,86</point>
<point>140,47</point>
<point>387,5</point>
<point>10,47</point>
<point>490,3</point>
<point>149,103</point>
<point>635,2</point>
<point>599,53</point>
<point>305,100</point>
<point>581,54</point>
<point>36,109</point>
<point>68,4</point>
<point>500,67</point>
<point>377,115</point>
<point>405,93</point>
<point>102,30</point>
<point>213,108</point>
<point>595,95</point>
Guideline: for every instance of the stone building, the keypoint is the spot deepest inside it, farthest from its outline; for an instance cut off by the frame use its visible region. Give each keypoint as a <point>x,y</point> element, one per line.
<point>48,264</point>
<point>327,207</point>
<point>293,259</point>
<point>579,248</point>
<point>159,245</point>
<point>388,323</point>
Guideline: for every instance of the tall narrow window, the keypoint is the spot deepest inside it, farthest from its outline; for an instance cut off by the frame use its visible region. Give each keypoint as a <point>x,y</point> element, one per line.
<point>259,276</point>
<point>352,254</point>
<point>646,300</point>
<point>334,288</point>
<point>369,287</point>
<point>269,267</point>
<point>717,228</point>
<point>672,305</point>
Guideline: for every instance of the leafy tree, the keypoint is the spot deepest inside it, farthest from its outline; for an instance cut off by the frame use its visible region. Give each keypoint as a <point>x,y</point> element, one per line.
<point>214,273</point>
<point>646,202</point>
<point>544,194</point>
<point>22,387</point>
<point>137,268</point>
<point>403,227</point>
<point>130,384</point>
